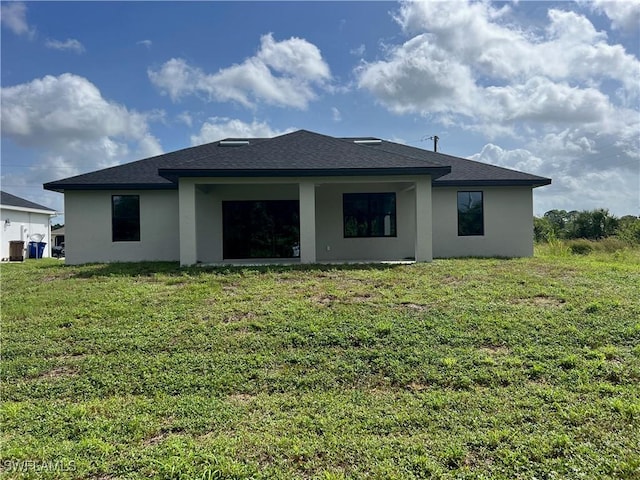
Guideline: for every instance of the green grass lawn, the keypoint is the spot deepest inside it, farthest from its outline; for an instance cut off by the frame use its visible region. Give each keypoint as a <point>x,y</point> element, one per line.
<point>471,368</point>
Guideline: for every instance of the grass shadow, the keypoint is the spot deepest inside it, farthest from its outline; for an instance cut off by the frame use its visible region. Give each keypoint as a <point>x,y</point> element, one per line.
<point>148,269</point>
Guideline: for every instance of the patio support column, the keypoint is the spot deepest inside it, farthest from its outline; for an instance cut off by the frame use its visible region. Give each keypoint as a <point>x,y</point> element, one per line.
<point>307,199</point>
<point>187,215</point>
<point>423,246</point>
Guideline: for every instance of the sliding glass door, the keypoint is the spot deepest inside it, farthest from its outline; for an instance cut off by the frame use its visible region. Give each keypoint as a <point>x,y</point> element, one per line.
<point>261,229</point>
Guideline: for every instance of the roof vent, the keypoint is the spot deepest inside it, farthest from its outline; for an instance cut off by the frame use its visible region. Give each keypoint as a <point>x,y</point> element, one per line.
<point>368,141</point>
<point>233,143</point>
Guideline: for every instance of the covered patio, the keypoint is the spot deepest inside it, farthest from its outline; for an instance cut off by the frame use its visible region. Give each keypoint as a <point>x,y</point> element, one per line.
<point>307,219</point>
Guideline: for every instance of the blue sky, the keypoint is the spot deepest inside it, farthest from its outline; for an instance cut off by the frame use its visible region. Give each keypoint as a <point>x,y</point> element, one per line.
<point>551,88</point>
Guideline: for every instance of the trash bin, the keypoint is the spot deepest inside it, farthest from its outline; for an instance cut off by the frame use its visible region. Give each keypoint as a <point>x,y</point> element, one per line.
<point>41,246</point>
<point>32,250</point>
<point>16,248</point>
<point>36,249</point>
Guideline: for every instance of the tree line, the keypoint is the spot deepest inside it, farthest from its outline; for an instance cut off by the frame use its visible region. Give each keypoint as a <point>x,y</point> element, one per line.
<point>588,224</point>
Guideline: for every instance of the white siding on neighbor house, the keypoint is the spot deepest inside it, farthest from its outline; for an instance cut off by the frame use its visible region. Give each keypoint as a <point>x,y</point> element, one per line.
<point>22,225</point>
<point>508,223</point>
<point>88,236</point>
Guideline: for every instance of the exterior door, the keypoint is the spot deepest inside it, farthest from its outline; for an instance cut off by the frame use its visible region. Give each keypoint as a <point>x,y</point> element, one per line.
<point>261,229</point>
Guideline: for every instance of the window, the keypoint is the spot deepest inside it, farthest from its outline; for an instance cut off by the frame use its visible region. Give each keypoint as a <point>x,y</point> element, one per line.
<point>470,214</point>
<point>125,218</point>
<point>369,214</point>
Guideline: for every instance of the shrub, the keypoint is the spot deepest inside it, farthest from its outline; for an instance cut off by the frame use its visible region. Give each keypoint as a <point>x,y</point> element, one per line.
<point>558,248</point>
<point>580,247</point>
<point>611,244</point>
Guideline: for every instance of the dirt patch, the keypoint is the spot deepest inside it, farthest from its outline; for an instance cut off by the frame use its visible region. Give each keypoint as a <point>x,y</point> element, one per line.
<point>70,356</point>
<point>156,439</point>
<point>324,300</point>
<point>541,301</point>
<point>495,350</point>
<point>359,298</point>
<point>59,372</point>
<point>241,398</point>
<point>417,387</point>
<point>415,306</point>
<point>450,280</point>
<point>475,460</point>
<point>238,317</point>
<point>328,300</point>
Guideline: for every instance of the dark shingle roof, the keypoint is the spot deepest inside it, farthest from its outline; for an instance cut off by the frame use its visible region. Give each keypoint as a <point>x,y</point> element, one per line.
<point>301,153</point>
<point>6,199</point>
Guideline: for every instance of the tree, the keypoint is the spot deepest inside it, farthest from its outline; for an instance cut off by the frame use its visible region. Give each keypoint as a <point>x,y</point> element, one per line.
<point>542,229</point>
<point>557,220</point>
<point>594,224</point>
<point>629,229</point>
<point>590,224</point>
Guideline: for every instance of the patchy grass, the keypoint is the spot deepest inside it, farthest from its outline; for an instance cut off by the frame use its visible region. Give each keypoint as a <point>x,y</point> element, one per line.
<point>474,368</point>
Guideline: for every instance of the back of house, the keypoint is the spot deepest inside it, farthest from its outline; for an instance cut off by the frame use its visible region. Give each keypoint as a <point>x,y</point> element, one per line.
<point>299,197</point>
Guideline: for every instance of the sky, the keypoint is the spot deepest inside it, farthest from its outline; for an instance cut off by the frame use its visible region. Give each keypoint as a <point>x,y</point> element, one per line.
<point>549,88</point>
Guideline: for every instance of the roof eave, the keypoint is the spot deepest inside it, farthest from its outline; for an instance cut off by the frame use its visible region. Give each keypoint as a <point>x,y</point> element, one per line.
<point>538,182</point>
<point>17,208</point>
<point>175,174</point>
<point>60,188</point>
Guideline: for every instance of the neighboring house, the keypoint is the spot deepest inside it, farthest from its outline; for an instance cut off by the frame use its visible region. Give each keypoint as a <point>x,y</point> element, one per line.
<point>25,221</point>
<point>57,236</point>
<point>301,196</point>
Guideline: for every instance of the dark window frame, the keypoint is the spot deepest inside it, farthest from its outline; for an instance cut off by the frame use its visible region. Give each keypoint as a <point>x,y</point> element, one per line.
<point>278,240</point>
<point>120,231</point>
<point>463,216</point>
<point>370,215</point>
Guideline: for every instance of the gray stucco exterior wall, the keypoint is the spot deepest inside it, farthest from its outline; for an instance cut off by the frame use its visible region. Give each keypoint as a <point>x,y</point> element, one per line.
<point>88,236</point>
<point>508,223</point>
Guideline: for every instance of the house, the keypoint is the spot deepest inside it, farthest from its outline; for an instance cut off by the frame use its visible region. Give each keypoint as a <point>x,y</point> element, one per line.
<point>57,236</point>
<point>23,220</point>
<point>301,196</point>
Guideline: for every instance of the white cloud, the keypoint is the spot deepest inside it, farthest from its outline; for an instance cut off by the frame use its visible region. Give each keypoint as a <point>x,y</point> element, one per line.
<point>336,115</point>
<point>218,128</point>
<point>295,57</point>
<point>73,127</point>
<point>145,43</point>
<point>541,100</point>
<point>185,117</point>
<point>624,14</point>
<point>13,15</point>
<point>462,60</point>
<point>518,159</point>
<point>69,44</point>
<point>282,73</point>
<point>561,89</point>
<point>588,171</point>
<point>358,51</point>
<point>419,77</point>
